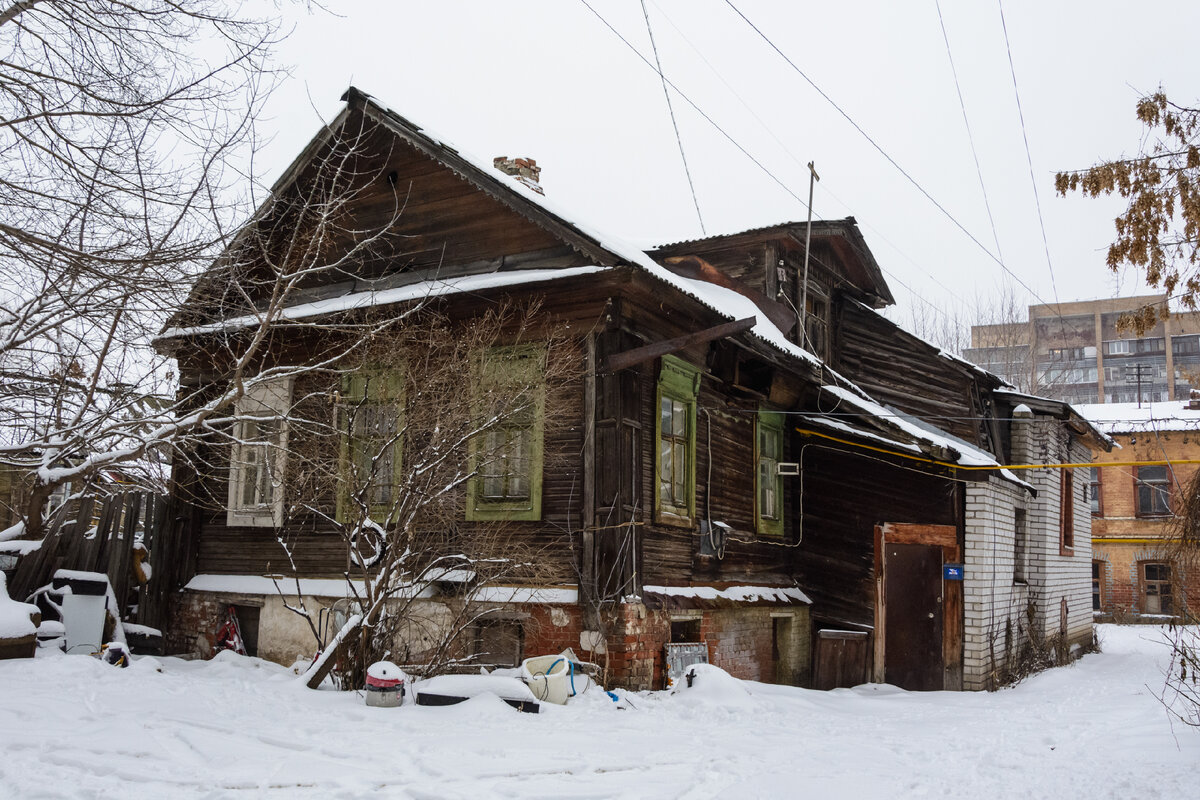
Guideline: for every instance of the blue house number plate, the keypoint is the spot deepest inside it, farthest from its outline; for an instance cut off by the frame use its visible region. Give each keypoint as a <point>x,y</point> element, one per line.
<point>952,572</point>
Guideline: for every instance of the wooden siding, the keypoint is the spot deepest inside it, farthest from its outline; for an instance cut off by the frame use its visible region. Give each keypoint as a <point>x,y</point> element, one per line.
<point>899,370</point>
<point>844,497</point>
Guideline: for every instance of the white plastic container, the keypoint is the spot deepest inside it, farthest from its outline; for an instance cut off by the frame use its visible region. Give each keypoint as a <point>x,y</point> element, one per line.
<point>549,678</point>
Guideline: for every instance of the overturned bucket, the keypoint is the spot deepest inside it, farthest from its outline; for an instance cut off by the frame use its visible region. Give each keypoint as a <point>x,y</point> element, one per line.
<point>385,685</point>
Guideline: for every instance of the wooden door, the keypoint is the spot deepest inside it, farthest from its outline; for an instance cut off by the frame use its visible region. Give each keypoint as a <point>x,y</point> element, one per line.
<point>918,640</point>
<point>913,602</point>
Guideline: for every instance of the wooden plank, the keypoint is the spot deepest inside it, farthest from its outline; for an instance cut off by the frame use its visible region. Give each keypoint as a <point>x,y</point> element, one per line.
<point>587,568</point>
<point>639,355</point>
<point>902,533</point>
<point>879,662</point>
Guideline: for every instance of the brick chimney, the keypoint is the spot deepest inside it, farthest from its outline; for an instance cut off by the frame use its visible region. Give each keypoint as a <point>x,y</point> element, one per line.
<point>525,170</point>
<point>1194,400</point>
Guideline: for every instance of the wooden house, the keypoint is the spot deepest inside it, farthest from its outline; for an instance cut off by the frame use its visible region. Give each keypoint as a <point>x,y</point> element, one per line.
<point>813,498</point>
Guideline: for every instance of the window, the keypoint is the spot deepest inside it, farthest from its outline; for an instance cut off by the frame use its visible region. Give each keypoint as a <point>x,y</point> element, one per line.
<point>371,444</point>
<point>1066,513</point>
<point>1094,491</point>
<point>506,455</point>
<point>769,485</point>
<point>1117,347</point>
<point>1097,586</point>
<point>499,642</point>
<point>816,324</point>
<point>258,455</point>
<point>1156,588</point>
<point>1153,492</point>
<point>1019,546</point>
<point>675,432</point>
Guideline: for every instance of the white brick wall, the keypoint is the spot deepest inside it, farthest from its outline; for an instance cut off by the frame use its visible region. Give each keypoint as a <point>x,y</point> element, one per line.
<point>995,606</point>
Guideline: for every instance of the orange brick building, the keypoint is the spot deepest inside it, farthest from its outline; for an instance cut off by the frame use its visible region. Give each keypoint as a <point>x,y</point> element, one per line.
<point>1135,574</point>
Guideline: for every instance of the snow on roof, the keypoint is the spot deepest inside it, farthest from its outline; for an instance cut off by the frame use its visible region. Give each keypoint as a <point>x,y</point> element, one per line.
<point>339,587</point>
<point>724,301</point>
<point>736,594</point>
<point>434,287</point>
<point>1173,415</point>
<point>965,453</point>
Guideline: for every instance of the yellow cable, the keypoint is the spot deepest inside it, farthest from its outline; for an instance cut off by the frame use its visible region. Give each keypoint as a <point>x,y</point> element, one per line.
<point>947,464</point>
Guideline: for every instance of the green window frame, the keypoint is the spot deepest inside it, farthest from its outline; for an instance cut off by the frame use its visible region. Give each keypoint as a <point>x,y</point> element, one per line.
<point>675,441</point>
<point>370,420</point>
<point>768,484</point>
<point>506,453</point>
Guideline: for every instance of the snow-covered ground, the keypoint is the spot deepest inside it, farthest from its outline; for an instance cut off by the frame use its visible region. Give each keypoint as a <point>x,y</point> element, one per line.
<point>73,727</point>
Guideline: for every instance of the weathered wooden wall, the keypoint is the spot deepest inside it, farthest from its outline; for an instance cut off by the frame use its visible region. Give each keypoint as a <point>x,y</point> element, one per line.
<point>899,370</point>
<point>844,497</point>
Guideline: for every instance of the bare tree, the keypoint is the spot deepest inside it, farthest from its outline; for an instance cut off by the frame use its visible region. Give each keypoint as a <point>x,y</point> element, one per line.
<point>1181,692</point>
<point>84,390</point>
<point>428,417</point>
<point>117,138</point>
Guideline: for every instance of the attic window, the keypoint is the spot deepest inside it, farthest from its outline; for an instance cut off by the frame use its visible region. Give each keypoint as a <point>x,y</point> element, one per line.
<point>816,324</point>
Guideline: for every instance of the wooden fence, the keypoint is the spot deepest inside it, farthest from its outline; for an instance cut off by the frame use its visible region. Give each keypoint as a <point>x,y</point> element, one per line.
<point>99,535</point>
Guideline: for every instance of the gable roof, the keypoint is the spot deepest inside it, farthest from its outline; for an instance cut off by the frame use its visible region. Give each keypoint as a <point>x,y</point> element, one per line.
<point>604,250</point>
<point>841,235</point>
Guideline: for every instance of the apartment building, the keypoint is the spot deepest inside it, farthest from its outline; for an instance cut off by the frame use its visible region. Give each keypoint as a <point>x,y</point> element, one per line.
<point>1075,352</point>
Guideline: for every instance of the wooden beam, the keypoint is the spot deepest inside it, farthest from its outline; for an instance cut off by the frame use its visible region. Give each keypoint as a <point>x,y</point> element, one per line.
<point>638,355</point>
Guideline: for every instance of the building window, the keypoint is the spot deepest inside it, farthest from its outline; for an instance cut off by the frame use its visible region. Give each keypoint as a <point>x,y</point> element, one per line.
<point>1156,588</point>
<point>1066,513</point>
<point>1094,492</point>
<point>371,449</point>
<point>506,455</point>
<point>816,324</point>
<point>258,456</point>
<point>675,433</point>
<point>499,642</point>
<point>1153,492</point>
<point>1097,586</point>
<point>1020,535</point>
<point>769,485</point>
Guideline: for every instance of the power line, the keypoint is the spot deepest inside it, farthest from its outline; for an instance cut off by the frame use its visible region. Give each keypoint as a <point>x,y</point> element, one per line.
<point>967,123</point>
<point>737,145</point>
<point>1028,157</point>
<point>883,152</point>
<point>674,124</point>
<point>762,124</point>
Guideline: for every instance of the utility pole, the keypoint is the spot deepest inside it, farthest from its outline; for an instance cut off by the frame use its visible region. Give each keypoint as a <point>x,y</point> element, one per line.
<point>812,179</point>
<point>1134,374</point>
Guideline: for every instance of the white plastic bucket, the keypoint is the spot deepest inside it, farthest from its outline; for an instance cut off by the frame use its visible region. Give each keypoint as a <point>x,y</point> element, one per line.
<point>549,678</point>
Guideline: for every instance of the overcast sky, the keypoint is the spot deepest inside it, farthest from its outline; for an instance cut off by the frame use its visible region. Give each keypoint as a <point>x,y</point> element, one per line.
<point>547,79</point>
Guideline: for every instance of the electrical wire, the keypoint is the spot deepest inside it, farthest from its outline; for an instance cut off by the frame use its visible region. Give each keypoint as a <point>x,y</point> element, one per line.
<point>967,124</point>
<point>885,154</point>
<point>762,124</point>
<point>674,123</point>
<point>991,467</point>
<point>1029,160</point>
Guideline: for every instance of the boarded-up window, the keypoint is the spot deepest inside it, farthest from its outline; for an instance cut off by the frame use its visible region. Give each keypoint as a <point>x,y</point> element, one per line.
<point>1020,538</point>
<point>499,642</point>
<point>1066,515</point>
